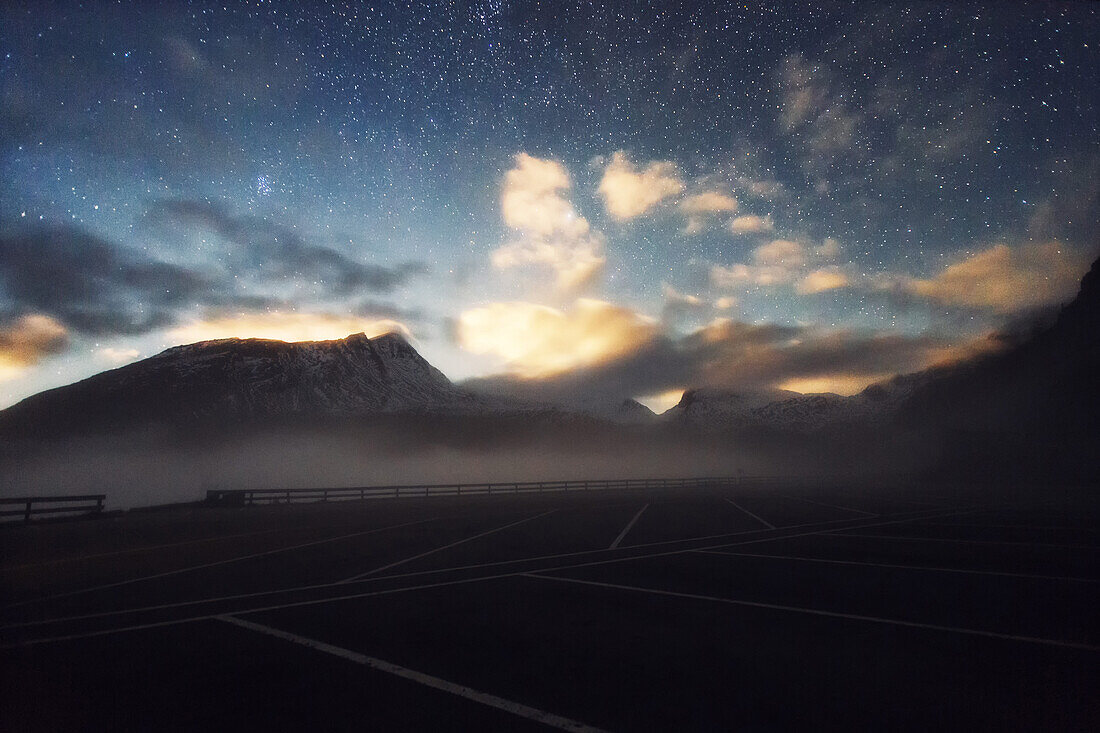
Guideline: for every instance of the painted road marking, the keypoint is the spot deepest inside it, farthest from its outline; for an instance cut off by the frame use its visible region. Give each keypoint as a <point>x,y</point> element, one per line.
<point>258,609</point>
<point>509,706</point>
<point>832,506</point>
<point>746,511</point>
<point>627,528</point>
<point>321,586</point>
<point>841,533</point>
<point>146,548</point>
<point>180,571</point>
<point>829,614</point>
<point>440,549</point>
<point>901,567</point>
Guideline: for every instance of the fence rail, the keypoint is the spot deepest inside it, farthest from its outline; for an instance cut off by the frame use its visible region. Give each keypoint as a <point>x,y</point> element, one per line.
<point>83,503</point>
<point>240,497</point>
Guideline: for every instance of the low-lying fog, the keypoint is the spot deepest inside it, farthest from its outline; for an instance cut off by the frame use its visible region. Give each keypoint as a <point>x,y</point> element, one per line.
<point>154,469</point>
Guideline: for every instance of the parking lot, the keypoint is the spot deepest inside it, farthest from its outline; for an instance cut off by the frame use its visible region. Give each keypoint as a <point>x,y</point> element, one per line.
<point>753,607</point>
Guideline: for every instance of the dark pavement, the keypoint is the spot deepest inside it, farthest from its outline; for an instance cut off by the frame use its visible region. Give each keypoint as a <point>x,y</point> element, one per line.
<point>757,608</point>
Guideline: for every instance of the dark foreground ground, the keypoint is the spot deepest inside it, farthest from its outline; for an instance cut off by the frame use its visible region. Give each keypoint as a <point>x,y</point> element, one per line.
<point>750,609</point>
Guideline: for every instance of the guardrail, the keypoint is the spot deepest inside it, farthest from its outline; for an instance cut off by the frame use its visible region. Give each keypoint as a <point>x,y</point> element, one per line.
<point>241,497</point>
<point>84,503</point>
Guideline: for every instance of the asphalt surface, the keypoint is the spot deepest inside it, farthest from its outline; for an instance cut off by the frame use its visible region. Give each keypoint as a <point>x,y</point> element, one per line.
<point>757,608</point>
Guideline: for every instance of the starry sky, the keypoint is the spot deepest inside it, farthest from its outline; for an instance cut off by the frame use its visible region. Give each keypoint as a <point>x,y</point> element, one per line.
<point>561,200</point>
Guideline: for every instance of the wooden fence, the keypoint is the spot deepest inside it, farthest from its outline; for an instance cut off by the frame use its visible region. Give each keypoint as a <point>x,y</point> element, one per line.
<point>80,504</point>
<point>240,497</point>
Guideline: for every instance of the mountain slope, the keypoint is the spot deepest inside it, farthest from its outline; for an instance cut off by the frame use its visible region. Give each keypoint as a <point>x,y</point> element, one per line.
<point>1037,403</point>
<point>246,379</point>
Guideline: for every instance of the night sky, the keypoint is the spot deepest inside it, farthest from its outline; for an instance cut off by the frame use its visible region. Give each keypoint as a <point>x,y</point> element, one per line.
<point>561,199</point>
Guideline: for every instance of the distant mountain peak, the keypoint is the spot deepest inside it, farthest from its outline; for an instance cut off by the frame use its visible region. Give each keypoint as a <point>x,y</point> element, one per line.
<point>250,378</point>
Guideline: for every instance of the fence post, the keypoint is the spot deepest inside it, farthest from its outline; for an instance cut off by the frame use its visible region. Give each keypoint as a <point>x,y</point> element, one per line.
<point>99,504</point>
<point>27,514</point>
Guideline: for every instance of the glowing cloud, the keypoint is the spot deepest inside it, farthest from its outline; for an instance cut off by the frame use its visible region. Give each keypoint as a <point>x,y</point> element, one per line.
<point>118,356</point>
<point>841,384</point>
<point>698,207</point>
<point>551,233</point>
<point>751,224</point>
<point>28,339</point>
<point>662,401</point>
<point>819,281</point>
<point>1005,279</point>
<point>774,263</point>
<point>710,202</point>
<point>628,192</point>
<point>283,327</point>
<point>780,252</point>
<point>538,341</point>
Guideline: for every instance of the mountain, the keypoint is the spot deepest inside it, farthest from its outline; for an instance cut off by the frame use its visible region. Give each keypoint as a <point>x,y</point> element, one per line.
<point>712,407</point>
<point>247,380</point>
<point>1040,396</point>
<point>1034,408</point>
<point>626,412</point>
<point>772,410</point>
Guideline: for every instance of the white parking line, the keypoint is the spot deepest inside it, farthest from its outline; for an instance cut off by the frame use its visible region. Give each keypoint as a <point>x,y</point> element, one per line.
<point>1034,527</point>
<point>746,511</point>
<point>900,567</point>
<point>524,711</point>
<point>830,614</point>
<point>457,568</point>
<point>132,550</point>
<point>256,609</point>
<point>831,506</point>
<point>626,529</point>
<point>440,549</point>
<point>842,533</point>
<point>191,568</point>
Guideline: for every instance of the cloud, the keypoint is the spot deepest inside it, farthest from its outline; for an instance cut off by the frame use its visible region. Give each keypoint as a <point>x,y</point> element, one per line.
<point>683,307</point>
<point>662,401</point>
<point>732,355</point>
<point>100,288</point>
<point>821,280</point>
<point>551,233</point>
<point>725,302</point>
<point>283,327</point>
<point>829,248</point>
<point>707,203</point>
<point>89,285</point>
<point>628,192</point>
<point>699,206</point>
<point>538,341</point>
<point>1001,279</point>
<point>118,356</point>
<point>531,200</point>
<point>803,93</point>
<point>751,224</point>
<point>780,253</point>
<point>263,250</point>
<point>774,263</point>
<point>785,261</point>
<point>30,338</point>
<point>811,109</point>
<point>575,264</point>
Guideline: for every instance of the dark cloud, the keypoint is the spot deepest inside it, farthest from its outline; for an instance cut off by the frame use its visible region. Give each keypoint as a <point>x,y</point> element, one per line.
<point>89,284</point>
<point>380,309</point>
<point>731,355</point>
<point>264,250</point>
